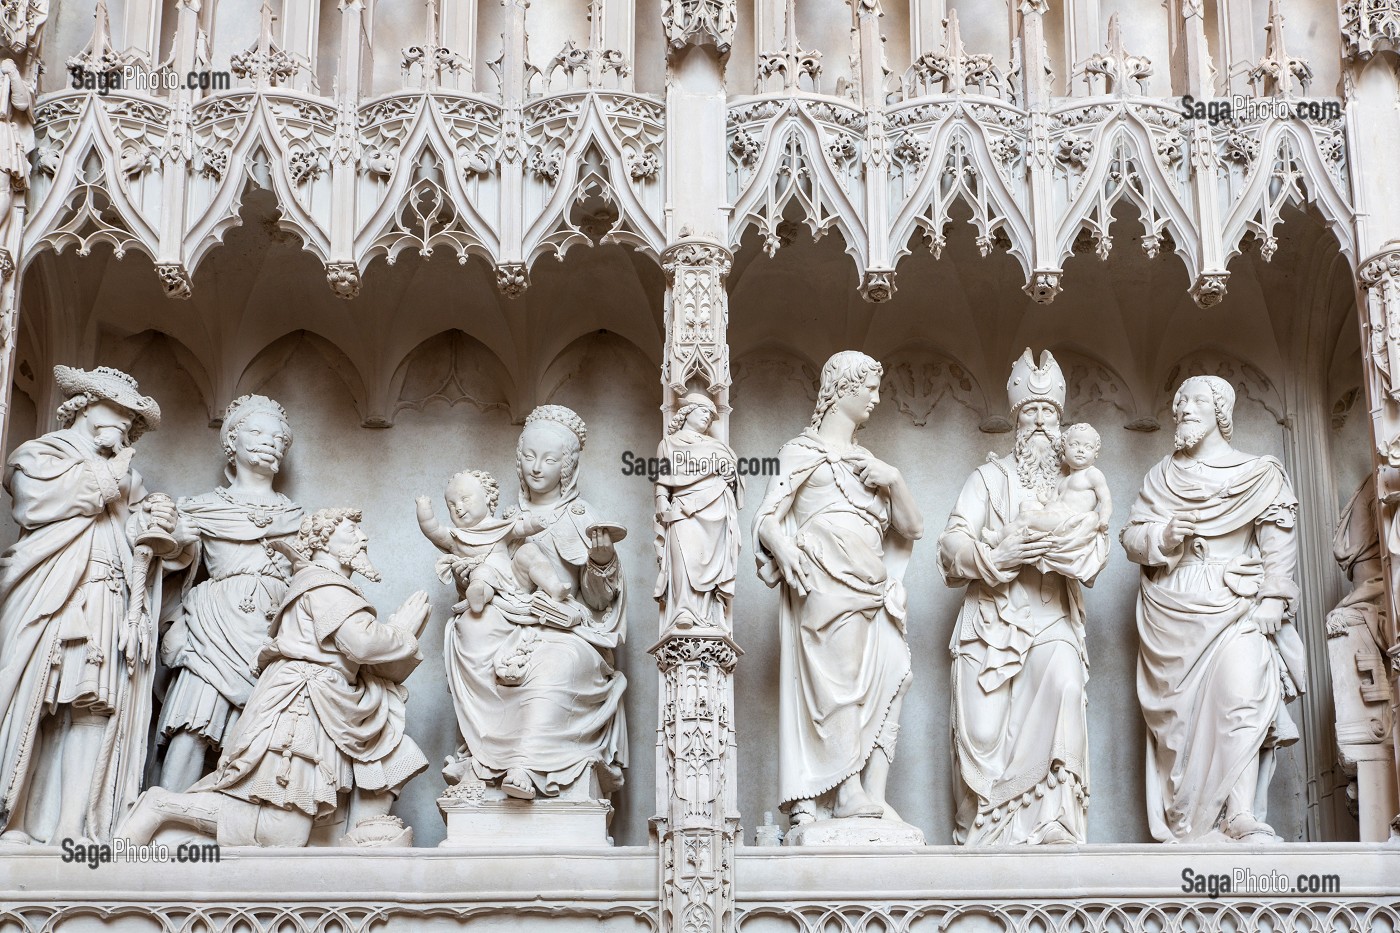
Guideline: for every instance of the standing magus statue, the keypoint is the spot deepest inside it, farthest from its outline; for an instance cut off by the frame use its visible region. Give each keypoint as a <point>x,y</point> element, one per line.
<point>222,620</point>
<point>76,664</point>
<point>1213,529</point>
<point>834,534</point>
<point>1024,537</point>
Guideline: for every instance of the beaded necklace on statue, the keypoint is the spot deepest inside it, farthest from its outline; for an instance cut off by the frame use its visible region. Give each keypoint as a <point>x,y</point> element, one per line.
<point>258,511</point>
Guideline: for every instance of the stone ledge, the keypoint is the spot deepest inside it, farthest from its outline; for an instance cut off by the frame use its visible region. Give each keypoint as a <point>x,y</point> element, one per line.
<point>762,873</point>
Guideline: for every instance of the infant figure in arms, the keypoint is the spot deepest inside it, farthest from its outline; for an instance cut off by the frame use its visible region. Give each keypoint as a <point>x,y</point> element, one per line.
<point>1081,496</point>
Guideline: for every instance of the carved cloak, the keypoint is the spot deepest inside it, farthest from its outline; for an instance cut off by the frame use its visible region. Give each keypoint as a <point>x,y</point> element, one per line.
<point>1208,678</point>
<point>843,658</point>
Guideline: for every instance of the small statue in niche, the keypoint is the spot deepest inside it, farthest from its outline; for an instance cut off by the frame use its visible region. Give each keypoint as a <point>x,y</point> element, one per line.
<point>322,738</point>
<point>698,499</point>
<point>834,534</point>
<point>221,621</point>
<point>538,701</point>
<point>1213,529</point>
<point>16,142</point>
<point>75,692</point>
<point>476,547</point>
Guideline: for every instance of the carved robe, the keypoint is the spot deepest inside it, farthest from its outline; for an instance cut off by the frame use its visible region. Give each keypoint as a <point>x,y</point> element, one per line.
<point>843,658</point>
<point>1020,735</point>
<point>222,621</point>
<point>565,712</point>
<point>328,712</point>
<point>1209,680</point>
<point>63,600</point>
<point>698,552</point>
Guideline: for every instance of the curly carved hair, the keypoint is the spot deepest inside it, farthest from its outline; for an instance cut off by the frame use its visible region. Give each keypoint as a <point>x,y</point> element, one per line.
<point>69,411</point>
<point>317,528</point>
<point>1085,428</point>
<point>678,419</point>
<point>843,374</point>
<point>487,481</point>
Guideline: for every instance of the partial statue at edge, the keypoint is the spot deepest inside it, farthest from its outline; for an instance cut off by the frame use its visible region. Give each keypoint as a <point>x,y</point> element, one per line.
<point>76,633</point>
<point>834,535</point>
<point>1024,537</point>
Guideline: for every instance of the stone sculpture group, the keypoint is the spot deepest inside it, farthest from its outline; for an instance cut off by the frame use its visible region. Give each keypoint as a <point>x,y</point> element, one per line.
<point>283,712</point>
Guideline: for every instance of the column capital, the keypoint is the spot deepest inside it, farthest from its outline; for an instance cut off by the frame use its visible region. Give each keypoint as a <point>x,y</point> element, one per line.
<point>714,648</point>
<point>698,253</point>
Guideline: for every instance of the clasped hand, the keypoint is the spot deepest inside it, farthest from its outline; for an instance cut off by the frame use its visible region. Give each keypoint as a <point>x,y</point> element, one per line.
<point>873,471</point>
<point>1269,614</point>
<point>1179,527</point>
<point>1022,545</point>
<point>161,513</point>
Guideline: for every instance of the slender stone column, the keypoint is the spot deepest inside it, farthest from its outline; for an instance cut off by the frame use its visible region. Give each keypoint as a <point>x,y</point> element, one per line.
<point>21,28</point>
<point>697,822</point>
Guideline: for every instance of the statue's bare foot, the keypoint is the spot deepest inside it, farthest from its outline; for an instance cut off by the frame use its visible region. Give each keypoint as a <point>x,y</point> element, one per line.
<point>517,784</point>
<point>853,801</point>
<point>889,813</point>
<point>16,837</point>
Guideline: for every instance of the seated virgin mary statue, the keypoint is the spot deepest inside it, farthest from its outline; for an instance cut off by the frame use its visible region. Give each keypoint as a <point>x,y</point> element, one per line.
<point>538,701</point>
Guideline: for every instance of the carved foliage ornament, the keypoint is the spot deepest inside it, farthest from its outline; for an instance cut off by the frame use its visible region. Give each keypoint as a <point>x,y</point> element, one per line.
<point>20,24</point>
<point>699,22</point>
<point>1370,26</point>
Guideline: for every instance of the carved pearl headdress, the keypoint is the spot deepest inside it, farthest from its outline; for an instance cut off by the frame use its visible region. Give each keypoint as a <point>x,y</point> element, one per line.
<point>560,415</point>
<point>1031,383</point>
<point>245,405</point>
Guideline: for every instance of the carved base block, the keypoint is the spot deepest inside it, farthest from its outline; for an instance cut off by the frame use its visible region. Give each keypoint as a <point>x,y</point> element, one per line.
<point>496,820</point>
<point>855,832</point>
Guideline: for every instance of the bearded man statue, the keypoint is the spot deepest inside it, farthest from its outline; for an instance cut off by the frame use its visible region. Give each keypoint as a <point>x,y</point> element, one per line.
<point>1213,529</point>
<point>1020,738</point>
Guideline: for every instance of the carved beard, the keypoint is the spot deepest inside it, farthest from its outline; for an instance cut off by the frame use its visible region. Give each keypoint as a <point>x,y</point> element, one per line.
<point>358,562</point>
<point>1038,461</point>
<point>1190,433</point>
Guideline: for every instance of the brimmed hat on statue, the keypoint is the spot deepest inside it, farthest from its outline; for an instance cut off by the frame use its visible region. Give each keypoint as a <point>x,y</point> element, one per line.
<point>110,385</point>
<point>1031,383</point>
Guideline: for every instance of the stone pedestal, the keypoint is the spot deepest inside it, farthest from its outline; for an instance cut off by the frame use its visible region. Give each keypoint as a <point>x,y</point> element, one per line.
<point>855,832</point>
<point>482,816</point>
